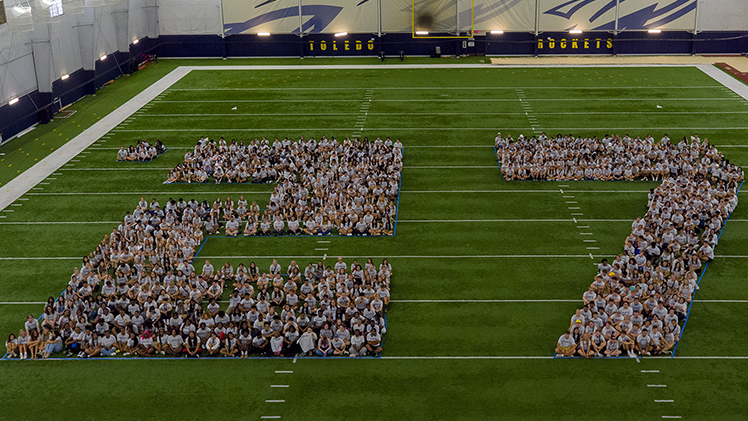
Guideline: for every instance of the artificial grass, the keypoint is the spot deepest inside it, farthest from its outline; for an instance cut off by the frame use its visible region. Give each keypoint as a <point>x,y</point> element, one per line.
<point>394,389</point>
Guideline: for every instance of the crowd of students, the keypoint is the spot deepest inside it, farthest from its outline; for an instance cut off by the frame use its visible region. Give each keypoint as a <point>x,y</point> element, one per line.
<point>324,187</point>
<point>636,303</point>
<point>142,152</point>
<point>139,294</point>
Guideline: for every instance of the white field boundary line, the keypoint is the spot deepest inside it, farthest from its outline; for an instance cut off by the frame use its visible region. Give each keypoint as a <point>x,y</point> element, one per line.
<point>140,116</point>
<point>225,101</point>
<point>21,184</point>
<point>433,129</point>
<point>725,79</point>
<point>449,87</point>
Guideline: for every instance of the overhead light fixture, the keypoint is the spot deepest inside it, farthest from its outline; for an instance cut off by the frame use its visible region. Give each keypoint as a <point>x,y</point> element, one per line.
<point>12,101</point>
<point>65,77</point>
<point>655,31</point>
<point>103,57</point>
<point>422,32</point>
<point>499,32</point>
<point>575,31</point>
<point>263,34</point>
<point>135,41</point>
<point>341,34</point>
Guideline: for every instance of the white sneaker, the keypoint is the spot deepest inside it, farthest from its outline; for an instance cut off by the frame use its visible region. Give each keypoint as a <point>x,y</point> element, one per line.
<point>125,354</point>
<point>163,353</point>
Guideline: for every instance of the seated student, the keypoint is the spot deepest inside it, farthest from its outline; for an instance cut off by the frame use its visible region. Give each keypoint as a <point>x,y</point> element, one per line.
<point>75,342</point>
<point>358,347</point>
<point>11,346</point>
<point>613,347</point>
<point>251,227</point>
<point>338,345</point>
<point>53,344</point>
<point>584,349</point>
<point>373,342</point>
<point>278,226</point>
<point>173,344</point>
<point>107,343</point>
<point>230,348</point>
<point>643,343</point>
<point>122,154</point>
<point>232,226</point>
<point>213,345</point>
<point>244,341</point>
<point>293,226</point>
<point>130,345</point>
<point>361,228</point>
<point>667,341</point>
<point>566,345</point>
<point>324,348</point>
<point>34,344</point>
<point>259,344</point>
<point>308,341</point>
<point>276,344</point>
<point>92,347</point>
<point>265,227</point>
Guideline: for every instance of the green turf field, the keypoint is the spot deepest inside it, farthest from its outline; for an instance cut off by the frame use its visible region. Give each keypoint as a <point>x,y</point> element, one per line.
<point>462,234</point>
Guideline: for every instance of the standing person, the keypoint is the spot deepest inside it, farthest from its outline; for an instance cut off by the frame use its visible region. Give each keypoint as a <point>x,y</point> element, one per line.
<point>31,324</point>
